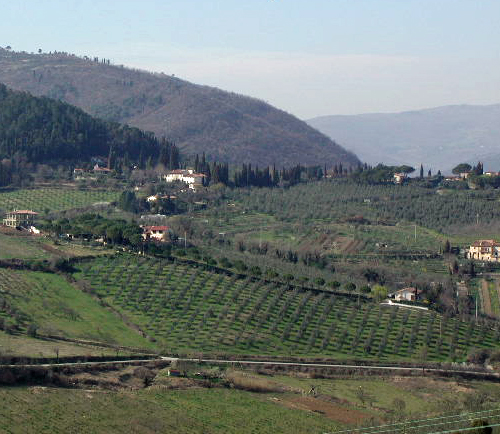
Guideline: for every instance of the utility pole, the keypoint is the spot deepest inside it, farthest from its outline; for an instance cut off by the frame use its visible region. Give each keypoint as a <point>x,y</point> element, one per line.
<point>415,232</point>
<point>185,240</point>
<point>476,307</point>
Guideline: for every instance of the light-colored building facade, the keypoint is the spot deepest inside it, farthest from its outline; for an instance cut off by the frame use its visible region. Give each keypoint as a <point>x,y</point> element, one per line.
<point>20,218</point>
<point>407,294</point>
<point>399,178</point>
<point>155,233</point>
<point>194,180</point>
<point>484,250</point>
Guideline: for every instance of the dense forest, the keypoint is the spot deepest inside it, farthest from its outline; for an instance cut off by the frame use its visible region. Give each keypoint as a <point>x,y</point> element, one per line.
<point>42,130</point>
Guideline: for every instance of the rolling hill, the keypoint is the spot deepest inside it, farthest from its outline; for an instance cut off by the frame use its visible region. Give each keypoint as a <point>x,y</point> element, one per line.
<point>227,126</point>
<point>440,138</point>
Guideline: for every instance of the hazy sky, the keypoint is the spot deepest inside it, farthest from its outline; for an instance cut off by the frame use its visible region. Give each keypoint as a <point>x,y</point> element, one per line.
<point>309,57</point>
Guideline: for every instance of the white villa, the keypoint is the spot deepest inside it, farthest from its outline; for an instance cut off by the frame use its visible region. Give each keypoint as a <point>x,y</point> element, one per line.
<point>194,180</point>
<point>484,250</point>
<point>407,294</point>
<point>158,233</point>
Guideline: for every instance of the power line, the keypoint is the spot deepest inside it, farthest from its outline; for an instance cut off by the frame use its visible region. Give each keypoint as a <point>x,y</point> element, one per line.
<point>461,415</point>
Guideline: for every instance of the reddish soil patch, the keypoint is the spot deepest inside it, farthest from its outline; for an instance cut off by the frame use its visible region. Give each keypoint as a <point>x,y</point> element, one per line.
<point>328,409</point>
<point>54,251</point>
<point>6,230</point>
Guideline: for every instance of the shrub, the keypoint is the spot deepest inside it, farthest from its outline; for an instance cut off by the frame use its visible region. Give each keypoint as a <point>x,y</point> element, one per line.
<point>32,330</point>
<point>350,287</point>
<point>239,380</point>
<point>478,355</point>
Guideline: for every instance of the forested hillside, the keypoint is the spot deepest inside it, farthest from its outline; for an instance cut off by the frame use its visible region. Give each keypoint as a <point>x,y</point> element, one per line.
<point>227,126</point>
<point>41,129</point>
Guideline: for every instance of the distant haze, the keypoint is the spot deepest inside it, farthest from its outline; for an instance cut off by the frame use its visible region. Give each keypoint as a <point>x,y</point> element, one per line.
<point>440,138</point>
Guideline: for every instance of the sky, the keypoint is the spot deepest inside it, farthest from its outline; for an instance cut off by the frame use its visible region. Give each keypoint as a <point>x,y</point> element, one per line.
<point>308,57</point>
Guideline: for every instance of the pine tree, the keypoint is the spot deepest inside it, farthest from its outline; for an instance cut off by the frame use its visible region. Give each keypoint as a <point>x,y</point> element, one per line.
<point>421,171</point>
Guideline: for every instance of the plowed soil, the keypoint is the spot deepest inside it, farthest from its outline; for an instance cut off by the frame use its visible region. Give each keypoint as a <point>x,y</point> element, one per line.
<point>328,409</point>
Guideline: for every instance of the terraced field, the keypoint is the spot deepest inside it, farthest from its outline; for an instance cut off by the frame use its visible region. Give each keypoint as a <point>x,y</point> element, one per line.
<point>53,199</point>
<point>188,308</point>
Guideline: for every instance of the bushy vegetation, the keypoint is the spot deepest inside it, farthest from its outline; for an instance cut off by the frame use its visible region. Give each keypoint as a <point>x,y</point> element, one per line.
<point>91,226</point>
<point>188,308</point>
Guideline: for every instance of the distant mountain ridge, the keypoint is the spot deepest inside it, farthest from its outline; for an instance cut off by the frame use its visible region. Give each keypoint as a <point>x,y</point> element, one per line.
<point>227,126</point>
<point>440,137</point>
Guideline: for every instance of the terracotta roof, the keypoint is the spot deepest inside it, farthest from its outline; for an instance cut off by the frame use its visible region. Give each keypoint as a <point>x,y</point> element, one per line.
<point>155,228</point>
<point>410,289</point>
<point>24,211</point>
<point>485,243</point>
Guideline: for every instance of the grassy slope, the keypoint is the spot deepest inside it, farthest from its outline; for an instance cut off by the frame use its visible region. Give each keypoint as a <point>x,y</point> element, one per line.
<point>21,247</point>
<point>53,199</point>
<point>27,410</point>
<point>20,345</point>
<point>190,309</point>
<point>33,247</point>
<point>58,308</point>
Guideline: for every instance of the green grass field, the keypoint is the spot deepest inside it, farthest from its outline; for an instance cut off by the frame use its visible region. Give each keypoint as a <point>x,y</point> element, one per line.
<point>25,346</point>
<point>284,404</point>
<point>53,199</point>
<point>225,411</point>
<point>34,247</point>
<point>21,247</point>
<point>58,308</point>
<point>189,309</point>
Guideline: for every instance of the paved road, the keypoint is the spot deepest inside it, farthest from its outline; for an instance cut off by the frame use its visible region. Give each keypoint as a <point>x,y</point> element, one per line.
<point>328,365</point>
<point>264,362</point>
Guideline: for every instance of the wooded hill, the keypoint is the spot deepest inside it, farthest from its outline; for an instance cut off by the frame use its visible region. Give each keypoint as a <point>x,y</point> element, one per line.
<point>228,127</point>
<point>41,129</point>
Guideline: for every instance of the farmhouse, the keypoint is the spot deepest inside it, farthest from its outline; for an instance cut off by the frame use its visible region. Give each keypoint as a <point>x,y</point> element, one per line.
<point>194,180</point>
<point>157,233</point>
<point>20,218</point>
<point>484,250</point>
<point>407,294</point>
<point>399,178</point>
<point>101,170</point>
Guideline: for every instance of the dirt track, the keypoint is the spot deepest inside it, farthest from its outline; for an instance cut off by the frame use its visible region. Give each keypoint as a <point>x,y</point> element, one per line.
<point>485,298</point>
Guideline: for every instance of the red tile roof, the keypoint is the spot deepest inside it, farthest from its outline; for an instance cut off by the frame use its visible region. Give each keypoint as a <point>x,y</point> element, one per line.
<point>155,228</point>
<point>24,211</point>
<point>485,243</point>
